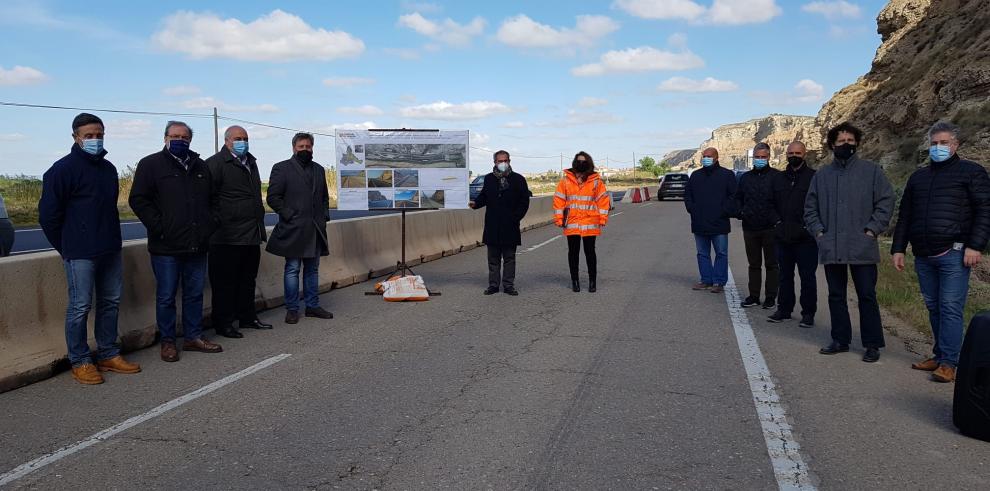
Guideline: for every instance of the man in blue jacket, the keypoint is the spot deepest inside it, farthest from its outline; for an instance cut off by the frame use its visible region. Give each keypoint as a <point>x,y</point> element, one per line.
<point>709,198</point>
<point>78,213</point>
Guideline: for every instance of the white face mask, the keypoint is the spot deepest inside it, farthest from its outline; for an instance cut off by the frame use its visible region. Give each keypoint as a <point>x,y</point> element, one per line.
<point>502,167</point>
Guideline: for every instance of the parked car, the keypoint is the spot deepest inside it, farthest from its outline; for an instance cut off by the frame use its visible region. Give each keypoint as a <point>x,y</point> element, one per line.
<point>474,188</point>
<point>672,186</point>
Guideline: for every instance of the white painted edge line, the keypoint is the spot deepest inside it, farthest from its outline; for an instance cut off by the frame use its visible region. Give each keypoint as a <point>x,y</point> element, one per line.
<point>541,244</point>
<point>25,469</point>
<point>785,453</point>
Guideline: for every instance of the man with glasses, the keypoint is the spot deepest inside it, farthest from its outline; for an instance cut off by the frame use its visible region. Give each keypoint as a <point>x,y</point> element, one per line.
<point>506,195</point>
<point>171,196</point>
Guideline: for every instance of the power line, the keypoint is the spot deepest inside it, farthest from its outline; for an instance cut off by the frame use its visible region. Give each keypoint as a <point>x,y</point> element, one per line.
<point>121,111</point>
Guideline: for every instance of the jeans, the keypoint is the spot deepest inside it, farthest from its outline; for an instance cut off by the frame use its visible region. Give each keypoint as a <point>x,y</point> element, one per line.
<point>501,266</point>
<point>717,273</point>
<point>574,255</point>
<point>760,250</point>
<point>170,271</point>
<point>944,283</point>
<point>804,255</point>
<point>233,271</point>
<point>865,280</point>
<point>83,276</point>
<point>311,282</point>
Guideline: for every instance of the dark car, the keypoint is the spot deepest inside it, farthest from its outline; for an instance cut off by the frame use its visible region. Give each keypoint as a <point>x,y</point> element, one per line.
<point>475,188</point>
<point>672,186</point>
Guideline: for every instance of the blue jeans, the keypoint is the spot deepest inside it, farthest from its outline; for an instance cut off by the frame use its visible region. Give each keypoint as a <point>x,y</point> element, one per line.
<point>311,282</point>
<point>944,283</point>
<point>170,271</point>
<point>83,276</point>
<point>717,273</point>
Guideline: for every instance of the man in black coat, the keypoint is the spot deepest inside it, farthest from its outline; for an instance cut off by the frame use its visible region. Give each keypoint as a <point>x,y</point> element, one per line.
<point>754,200</point>
<point>297,191</point>
<point>171,195</point>
<point>945,216</point>
<point>235,248</point>
<point>709,199</point>
<point>795,246</point>
<point>506,195</point>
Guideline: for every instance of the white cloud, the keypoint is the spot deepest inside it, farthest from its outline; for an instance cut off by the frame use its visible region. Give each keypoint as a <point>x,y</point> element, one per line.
<point>12,137</point>
<point>708,84</point>
<point>723,12</point>
<point>443,110</point>
<point>328,130</point>
<point>592,102</point>
<point>808,91</point>
<point>514,124</point>
<point>347,82</point>
<point>210,102</point>
<point>277,36</point>
<point>129,129</point>
<point>366,110</point>
<point>833,10</point>
<point>737,12</point>
<point>641,59</point>
<point>180,90</point>
<point>480,139</point>
<point>522,32</point>
<point>21,75</point>
<point>447,31</point>
<point>661,9</point>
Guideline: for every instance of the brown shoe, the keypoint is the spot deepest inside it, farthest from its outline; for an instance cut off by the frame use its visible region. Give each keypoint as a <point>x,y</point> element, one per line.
<point>717,289</point>
<point>292,317</point>
<point>928,365</point>
<point>201,345</point>
<point>169,352</point>
<point>118,364</point>
<point>944,373</point>
<point>701,286</point>
<point>87,374</point>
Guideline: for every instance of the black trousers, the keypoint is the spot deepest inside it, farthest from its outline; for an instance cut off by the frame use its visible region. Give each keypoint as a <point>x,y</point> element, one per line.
<point>574,254</point>
<point>804,256</point>
<point>6,237</point>
<point>760,250</point>
<point>233,269</point>
<point>501,266</point>
<point>864,278</point>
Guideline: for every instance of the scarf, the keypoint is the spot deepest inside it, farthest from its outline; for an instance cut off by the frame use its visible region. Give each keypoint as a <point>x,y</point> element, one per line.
<point>503,179</point>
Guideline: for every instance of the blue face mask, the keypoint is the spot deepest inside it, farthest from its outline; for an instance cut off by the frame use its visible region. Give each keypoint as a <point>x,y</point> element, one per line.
<point>240,148</point>
<point>939,153</point>
<point>760,163</point>
<point>707,161</point>
<point>179,148</point>
<point>92,146</point>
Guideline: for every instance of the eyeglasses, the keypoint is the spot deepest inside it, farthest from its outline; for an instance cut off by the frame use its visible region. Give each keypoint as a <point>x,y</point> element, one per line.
<point>179,137</point>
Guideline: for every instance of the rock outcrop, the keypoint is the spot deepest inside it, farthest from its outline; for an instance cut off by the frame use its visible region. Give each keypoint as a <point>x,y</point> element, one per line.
<point>678,157</point>
<point>734,141</point>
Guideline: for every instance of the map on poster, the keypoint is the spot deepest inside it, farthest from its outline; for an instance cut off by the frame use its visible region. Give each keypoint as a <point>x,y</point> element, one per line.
<point>402,169</point>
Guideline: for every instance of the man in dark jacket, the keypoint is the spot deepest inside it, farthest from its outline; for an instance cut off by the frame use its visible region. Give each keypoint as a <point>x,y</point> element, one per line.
<point>506,195</point>
<point>78,213</point>
<point>709,198</point>
<point>945,216</point>
<point>795,246</point>
<point>171,195</point>
<point>297,191</point>
<point>235,248</point>
<point>849,204</point>
<point>754,200</point>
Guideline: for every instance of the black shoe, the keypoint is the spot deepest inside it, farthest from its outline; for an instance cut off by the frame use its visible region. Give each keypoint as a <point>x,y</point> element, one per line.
<point>491,290</point>
<point>872,355</point>
<point>592,287</point>
<point>770,303</point>
<point>255,324</point>
<point>511,291</point>
<point>833,348</point>
<point>229,332</point>
<point>778,316</point>
<point>750,302</point>
<point>318,312</point>
<point>807,321</point>
<point>576,285</point>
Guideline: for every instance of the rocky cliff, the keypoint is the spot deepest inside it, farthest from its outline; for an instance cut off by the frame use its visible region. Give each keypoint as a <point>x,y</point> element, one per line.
<point>933,64</point>
<point>734,141</point>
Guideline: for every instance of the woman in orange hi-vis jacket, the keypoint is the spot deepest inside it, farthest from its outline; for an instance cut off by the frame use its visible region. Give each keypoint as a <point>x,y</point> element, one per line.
<point>581,206</point>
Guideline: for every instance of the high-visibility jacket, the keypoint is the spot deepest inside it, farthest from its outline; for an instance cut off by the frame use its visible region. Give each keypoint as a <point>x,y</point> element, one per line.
<point>586,205</point>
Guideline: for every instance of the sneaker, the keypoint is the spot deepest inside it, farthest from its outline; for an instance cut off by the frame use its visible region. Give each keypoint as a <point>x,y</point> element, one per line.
<point>770,303</point>
<point>778,316</point>
<point>699,286</point>
<point>750,302</point>
<point>807,321</point>
<point>717,289</point>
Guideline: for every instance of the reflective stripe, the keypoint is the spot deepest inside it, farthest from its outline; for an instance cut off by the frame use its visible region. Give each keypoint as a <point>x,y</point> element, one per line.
<point>558,212</point>
<point>603,211</point>
<point>601,195</point>
<point>583,227</point>
<point>577,197</point>
<point>575,206</point>
<point>560,195</point>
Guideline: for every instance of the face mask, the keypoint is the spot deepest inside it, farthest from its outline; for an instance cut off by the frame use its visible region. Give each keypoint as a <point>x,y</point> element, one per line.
<point>92,146</point>
<point>760,163</point>
<point>179,148</point>
<point>581,166</point>
<point>240,148</point>
<point>844,151</point>
<point>707,161</point>
<point>795,161</point>
<point>304,156</point>
<point>502,167</point>
<point>939,153</point>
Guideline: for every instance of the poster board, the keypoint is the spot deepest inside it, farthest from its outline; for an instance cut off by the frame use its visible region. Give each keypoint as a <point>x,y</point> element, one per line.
<point>408,169</point>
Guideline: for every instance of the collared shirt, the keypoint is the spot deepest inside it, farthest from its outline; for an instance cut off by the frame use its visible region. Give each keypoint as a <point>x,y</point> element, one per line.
<point>183,162</point>
<point>243,160</point>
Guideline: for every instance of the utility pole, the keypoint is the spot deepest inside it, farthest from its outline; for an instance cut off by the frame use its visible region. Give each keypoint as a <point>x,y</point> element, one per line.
<point>216,131</point>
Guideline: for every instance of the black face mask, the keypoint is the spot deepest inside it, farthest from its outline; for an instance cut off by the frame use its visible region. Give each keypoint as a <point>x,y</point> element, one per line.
<point>581,166</point>
<point>795,162</point>
<point>304,156</point>
<point>844,151</point>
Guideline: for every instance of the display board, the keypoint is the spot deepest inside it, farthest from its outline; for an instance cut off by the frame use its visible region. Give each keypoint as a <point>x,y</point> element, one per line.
<point>384,169</point>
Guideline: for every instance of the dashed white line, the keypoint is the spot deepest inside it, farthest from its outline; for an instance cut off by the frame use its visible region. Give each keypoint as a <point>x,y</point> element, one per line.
<point>25,469</point>
<point>785,453</point>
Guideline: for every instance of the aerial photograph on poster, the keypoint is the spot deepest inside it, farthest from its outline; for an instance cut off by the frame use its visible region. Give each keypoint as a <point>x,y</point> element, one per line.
<point>380,198</point>
<point>406,198</point>
<point>379,178</point>
<point>415,155</point>
<point>406,178</point>
<point>352,179</point>
<point>431,198</point>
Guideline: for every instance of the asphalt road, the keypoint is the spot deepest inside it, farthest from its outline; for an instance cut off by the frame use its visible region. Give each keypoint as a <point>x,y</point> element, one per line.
<point>639,386</point>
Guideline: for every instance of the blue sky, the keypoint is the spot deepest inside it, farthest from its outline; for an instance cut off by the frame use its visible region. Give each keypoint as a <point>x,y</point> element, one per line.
<point>537,78</point>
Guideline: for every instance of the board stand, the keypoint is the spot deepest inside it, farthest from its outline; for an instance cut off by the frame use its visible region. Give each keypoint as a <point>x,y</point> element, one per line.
<point>402,269</point>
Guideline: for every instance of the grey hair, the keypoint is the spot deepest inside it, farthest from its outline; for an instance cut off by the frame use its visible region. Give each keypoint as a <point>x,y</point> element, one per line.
<point>226,132</point>
<point>170,124</point>
<point>761,146</point>
<point>944,127</point>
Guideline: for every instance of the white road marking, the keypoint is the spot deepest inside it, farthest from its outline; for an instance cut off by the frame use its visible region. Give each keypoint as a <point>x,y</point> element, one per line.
<point>785,453</point>
<point>541,244</point>
<point>25,469</point>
